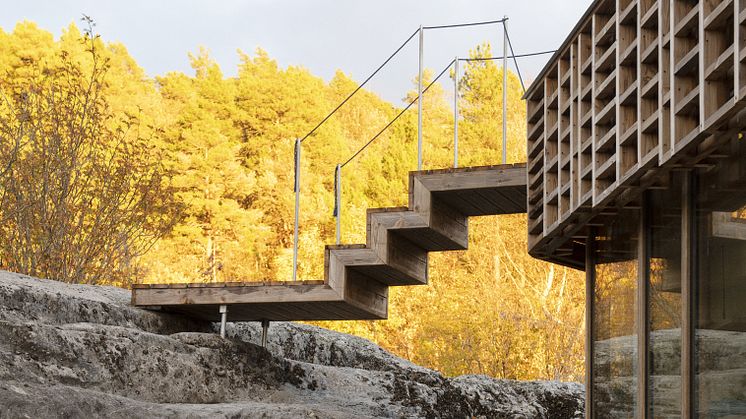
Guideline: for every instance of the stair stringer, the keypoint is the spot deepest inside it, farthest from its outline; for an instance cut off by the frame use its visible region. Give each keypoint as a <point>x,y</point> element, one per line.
<point>399,239</point>
<point>357,277</point>
<point>354,287</point>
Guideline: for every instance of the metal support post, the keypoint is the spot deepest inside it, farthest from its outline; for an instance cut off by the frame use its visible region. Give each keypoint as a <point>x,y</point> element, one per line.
<point>505,90</point>
<point>265,328</point>
<point>223,319</point>
<point>297,207</point>
<point>455,112</point>
<point>338,201</point>
<point>419,102</point>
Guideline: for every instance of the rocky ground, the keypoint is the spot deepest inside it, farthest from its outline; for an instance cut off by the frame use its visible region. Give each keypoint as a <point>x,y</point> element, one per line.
<point>83,351</point>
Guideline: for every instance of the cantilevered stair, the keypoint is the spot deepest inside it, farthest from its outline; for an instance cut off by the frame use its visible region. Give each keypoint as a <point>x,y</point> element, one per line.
<point>357,277</point>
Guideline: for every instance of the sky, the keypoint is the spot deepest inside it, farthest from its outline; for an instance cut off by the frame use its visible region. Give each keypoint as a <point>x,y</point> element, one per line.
<point>322,35</point>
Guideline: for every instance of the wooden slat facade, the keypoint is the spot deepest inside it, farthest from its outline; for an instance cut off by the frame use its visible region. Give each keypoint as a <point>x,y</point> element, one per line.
<point>639,87</point>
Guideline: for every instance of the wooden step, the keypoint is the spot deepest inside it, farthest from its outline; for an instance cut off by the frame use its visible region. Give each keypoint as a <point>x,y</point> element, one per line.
<point>451,233</point>
<point>357,277</point>
<point>475,191</point>
<point>404,263</point>
<point>250,301</point>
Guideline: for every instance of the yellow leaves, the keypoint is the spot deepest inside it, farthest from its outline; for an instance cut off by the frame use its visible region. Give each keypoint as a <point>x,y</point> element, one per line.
<point>229,142</point>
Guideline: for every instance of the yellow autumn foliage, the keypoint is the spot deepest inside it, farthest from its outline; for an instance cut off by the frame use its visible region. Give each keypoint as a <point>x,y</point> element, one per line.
<point>227,143</point>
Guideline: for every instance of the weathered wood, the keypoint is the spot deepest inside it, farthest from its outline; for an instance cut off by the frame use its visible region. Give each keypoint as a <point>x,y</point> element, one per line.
<point>366,293</point>
<point>429,236</point>
<point>234,294</point>
<point>291,302</point>
<point>367,262</point>
<point>642,321</point>
<point>357,277</point>
<point>488,177</point>
<point>339,310</point>
<point>637,89</point>
<point>688,294</point>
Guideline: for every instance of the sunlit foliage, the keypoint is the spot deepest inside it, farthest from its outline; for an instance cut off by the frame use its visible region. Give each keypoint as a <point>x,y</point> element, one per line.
<point>225,147</point>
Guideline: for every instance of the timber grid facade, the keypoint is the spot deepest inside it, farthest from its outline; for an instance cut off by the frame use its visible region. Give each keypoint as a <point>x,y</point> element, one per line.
<point>639,87</point>
<point>637,174</point>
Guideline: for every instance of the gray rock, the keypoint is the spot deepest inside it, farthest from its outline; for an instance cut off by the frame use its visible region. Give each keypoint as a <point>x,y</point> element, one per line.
<point>83,351</point>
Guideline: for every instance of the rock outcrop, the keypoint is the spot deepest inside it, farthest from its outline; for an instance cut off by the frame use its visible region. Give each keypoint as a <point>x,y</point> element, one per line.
<point>83,351</point>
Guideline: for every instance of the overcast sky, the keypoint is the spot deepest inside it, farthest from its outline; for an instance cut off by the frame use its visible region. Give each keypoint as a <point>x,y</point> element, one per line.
<point>321,35</point>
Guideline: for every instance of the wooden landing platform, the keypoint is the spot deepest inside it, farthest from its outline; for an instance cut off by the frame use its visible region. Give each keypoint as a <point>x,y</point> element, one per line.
<point>357,277</point>
<point>249,301</point>
<point>480,190</point>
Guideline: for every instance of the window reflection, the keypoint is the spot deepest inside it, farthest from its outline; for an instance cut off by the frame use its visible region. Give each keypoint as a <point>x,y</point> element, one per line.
<point>615,305</point>
<point>720,334</point>
<point>664,301</point>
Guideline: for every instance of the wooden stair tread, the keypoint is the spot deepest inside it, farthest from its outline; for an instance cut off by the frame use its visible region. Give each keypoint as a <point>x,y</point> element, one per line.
<point>357,276</point>
<point>228,284</point>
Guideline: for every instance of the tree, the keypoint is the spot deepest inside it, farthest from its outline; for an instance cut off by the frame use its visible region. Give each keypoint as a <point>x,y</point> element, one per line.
<point>221,234</point>
<point>220,151</point>
<point>481,110</point>
<point>492,309</point>
<point>82,194</point>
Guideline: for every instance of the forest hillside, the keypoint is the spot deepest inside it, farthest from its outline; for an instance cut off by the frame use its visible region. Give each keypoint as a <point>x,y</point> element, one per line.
<point>111,177</point>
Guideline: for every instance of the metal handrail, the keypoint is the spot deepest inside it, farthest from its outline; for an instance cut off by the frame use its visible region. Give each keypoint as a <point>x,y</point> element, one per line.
<point>420,91</point>
<point>296,187</point>
<point>338,170</point>
<point>455,111</point>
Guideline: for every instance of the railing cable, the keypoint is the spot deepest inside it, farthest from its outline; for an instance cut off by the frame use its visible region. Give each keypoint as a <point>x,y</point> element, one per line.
<point>360,86</point>
<point>337,213</point>
<point>509,56</point>
<point>398,116</point>
<point>515,60</point>
<point>428,87</point>
<point>461,25</point>
<point>377,70</point>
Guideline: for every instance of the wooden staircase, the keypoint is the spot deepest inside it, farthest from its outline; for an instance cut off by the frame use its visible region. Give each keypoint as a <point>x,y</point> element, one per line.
<point>357,277</point>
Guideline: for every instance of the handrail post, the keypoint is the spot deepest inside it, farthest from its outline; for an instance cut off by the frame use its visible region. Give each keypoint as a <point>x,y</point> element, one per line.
<point>419,102</point>
<point>297,207</point>
<point>455,112</point>
<point>505,89</point>
<point>338,201</point>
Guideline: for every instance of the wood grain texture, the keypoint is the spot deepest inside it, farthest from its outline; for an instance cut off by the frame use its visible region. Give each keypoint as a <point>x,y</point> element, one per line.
<point>357,277</point>
<point>638,88</point>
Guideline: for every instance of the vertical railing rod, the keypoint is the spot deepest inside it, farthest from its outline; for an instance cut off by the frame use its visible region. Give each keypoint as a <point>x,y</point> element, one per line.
<point>505,89</point>
<point>297,207</point>
<point>338,201</point>
<point>419,100</point>
<point>455,112</point>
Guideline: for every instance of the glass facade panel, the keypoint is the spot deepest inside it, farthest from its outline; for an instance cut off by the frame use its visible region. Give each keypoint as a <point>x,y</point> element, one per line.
<point>664,301</point>
<point>720,283</point>
<point>614,318</point>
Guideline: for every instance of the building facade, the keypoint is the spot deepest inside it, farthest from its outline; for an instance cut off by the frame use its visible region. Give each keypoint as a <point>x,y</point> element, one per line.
<point>637,174</point>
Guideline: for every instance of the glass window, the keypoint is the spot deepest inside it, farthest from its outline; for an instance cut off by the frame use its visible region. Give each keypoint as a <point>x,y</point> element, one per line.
<point>664,301</point>
<point>720,322</point>
<point>614,316</point>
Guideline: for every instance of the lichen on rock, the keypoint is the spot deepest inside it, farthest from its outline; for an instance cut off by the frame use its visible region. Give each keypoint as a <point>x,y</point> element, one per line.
<point>83,351</point>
